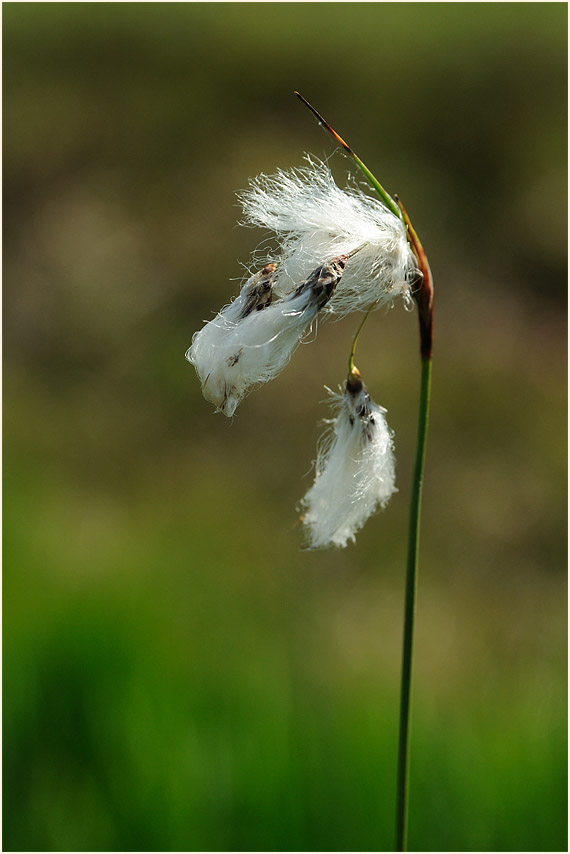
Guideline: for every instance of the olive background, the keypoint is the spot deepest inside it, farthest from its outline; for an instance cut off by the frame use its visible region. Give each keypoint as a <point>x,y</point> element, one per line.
<point>179,673</point>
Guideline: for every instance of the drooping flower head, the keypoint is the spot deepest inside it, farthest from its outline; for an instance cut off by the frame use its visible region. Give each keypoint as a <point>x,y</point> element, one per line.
<point>313,218</point>
<point>355,469</point>
<point>251,340</point>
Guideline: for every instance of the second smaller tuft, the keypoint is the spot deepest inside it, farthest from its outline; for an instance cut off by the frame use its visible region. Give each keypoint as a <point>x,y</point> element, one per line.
<point>355,469</point>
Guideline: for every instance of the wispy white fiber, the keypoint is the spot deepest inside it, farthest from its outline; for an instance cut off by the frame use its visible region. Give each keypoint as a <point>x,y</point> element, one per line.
<point>355,469</point>
<point>251,340</point>
<point>315,219</point>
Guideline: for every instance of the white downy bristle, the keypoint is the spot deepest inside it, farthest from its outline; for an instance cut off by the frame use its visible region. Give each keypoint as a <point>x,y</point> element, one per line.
<point>314,219</point>
<point>237,351</point>
<point>355,470</point>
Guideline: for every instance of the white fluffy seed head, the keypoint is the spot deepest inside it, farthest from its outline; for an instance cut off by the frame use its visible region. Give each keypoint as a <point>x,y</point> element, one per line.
<point>251,340</point>
<point>355,469</point>
<point>314,219</point>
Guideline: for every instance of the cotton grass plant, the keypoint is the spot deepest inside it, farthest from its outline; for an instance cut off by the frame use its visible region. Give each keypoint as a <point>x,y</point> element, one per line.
<point>340,250</point>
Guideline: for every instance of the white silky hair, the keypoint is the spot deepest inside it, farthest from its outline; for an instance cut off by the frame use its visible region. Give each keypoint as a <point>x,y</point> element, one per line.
<point>355,471</point>
<point>234,353</point>
<point>313,219</point>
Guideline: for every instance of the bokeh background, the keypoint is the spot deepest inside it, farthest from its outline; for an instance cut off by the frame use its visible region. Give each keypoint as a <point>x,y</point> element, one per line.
<point>178,673</point>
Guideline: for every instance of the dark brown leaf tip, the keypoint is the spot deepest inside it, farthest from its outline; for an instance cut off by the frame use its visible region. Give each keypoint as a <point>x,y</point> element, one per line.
<point>324,123</point>
<point>424,294</point>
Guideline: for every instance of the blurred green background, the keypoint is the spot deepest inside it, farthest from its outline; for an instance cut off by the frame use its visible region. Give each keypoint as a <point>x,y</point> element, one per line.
<point>178,673</point>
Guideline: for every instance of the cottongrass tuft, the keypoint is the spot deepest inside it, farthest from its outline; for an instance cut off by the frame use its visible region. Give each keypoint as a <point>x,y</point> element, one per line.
<point>355,469</point>
<point>252,339</point>
<point>313,219</point>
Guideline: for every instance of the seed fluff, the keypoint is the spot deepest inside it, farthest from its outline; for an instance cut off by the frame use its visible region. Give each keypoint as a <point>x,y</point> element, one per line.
<point>355,469</point>
<point>252,339</point>
<point>313,219</point>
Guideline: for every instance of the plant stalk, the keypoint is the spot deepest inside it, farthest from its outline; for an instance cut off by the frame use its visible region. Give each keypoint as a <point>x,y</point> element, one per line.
<point>410,608</point>
<point>424,297</point>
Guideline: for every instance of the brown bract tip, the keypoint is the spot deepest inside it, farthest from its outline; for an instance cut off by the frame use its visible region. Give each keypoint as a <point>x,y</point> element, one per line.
<point>325,124</point>
<point>354,382</point>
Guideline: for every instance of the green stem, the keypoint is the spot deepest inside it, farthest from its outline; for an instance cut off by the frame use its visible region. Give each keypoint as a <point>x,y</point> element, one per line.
<point>410,606</point>
<point>355,339</point>
<point>423,295</point>
<point>386,197</point>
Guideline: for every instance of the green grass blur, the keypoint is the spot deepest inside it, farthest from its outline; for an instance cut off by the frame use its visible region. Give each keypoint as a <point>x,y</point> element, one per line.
<point>178,673</point>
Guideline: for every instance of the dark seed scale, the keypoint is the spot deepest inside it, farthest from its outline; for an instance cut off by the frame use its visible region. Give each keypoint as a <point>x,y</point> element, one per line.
<point>234,358</point>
